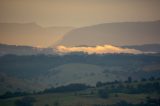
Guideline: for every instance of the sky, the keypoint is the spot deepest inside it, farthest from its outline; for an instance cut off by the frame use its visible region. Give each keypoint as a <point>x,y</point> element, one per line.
<point>68,13</point>
<point>78,13</point>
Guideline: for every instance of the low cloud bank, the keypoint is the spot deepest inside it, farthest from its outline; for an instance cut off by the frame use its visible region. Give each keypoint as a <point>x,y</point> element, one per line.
<point>104,49</point>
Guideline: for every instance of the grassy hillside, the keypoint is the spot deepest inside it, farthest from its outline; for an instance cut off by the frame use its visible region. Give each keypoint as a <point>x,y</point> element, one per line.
<point>37,72</point>
<point>91,97</point>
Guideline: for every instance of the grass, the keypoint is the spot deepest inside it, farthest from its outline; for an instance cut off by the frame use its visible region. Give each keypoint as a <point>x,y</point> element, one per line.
<point>82,98</point>
<point>69,99</point>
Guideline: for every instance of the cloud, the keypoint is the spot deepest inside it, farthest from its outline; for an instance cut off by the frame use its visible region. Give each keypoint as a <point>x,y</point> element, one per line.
<point>104,49</point>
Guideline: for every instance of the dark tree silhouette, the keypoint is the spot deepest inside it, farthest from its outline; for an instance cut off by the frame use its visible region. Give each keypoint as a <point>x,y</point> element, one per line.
<point>26,101</point>
<point>56,103</point>
<point>129,79</point>
<point>103,93</point>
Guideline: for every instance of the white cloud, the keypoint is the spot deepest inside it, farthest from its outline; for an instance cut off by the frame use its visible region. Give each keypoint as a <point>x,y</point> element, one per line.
<point>97,49</point>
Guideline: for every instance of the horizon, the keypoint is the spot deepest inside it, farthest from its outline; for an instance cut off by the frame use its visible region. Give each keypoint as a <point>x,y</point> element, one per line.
<point>58,36</point>
<point>34,23</point>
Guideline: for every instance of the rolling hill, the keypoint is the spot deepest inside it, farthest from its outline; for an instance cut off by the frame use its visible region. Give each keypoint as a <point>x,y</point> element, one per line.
<point>38,72</point>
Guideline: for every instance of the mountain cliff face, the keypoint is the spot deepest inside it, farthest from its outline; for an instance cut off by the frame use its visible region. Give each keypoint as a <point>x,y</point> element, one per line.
<point>123,33</point>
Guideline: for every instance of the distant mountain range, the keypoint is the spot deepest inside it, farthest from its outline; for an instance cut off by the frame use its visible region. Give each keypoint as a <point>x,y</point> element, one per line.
<point>146,47</point>
<point>31,34</point>
<point>122,33</point>
<point>118,34</point>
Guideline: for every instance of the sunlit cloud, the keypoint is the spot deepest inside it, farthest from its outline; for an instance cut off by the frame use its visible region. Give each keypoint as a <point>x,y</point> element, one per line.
<point>104,49</point>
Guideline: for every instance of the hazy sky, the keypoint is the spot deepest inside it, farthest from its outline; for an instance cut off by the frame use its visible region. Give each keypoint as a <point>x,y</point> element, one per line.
<point>78,12</point>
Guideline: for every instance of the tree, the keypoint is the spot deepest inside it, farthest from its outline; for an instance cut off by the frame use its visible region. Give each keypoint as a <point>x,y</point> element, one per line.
<point>56,103</point>
<point>152,78</point>
<point>99,84</point>
<point>116,95</point>
<point>143,79</point>
<point>92,92</point>
<point>103,93</point>
<point>25,101</point>
<point>46,105</point>
<point>129,79</point>
<point>123,103</point>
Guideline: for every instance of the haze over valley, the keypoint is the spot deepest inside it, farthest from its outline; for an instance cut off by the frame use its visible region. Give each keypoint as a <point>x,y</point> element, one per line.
<point>79,53</point>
